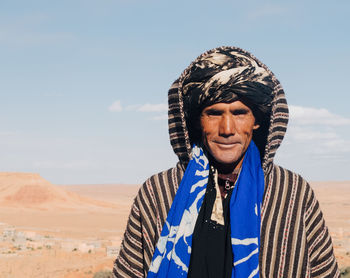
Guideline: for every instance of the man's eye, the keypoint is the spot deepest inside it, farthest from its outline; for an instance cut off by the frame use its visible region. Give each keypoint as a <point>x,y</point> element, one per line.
<point>213,113</point>
<point>240,112</point>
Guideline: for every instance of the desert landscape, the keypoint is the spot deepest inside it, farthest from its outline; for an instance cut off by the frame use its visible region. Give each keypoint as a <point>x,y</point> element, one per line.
<point>70,231</point>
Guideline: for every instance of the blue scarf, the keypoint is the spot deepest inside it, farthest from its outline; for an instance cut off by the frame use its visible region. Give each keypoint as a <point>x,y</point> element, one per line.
<point>172,255</point>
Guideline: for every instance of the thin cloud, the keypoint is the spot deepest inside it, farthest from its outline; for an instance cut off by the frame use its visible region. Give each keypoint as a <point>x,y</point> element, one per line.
<point>72,165</point>
<point>25,38</point>
<point>8,133</point>
<point>160,118</point>
<point>266,11</point>
<point>133,107</point>
<point>337,148</point>
<point>300,115</point>
<point>161,107</point>
<point>317,132</point>
<point>147,107</point>
<point>116,106</point>
<point>298,133</point>
<point>23,31</point>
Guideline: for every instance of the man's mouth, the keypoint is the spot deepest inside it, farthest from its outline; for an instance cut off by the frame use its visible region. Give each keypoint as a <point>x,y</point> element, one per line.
<point>228,144</point>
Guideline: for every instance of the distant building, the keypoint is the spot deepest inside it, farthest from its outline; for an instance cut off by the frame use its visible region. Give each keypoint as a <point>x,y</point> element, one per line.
<point>85,248</point>
<point>69,246</point>
<point>9,232</point>
<point>112,251</point>
<point>96,244</point>
<point>30,235</point>
<point>34,244</point>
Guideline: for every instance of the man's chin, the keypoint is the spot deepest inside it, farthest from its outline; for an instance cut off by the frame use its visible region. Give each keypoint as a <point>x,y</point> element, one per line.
<point>227,155</point>
<point>226,160</point>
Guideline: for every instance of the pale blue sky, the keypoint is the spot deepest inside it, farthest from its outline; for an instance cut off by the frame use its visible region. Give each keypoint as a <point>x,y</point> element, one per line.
<point>78,80</point>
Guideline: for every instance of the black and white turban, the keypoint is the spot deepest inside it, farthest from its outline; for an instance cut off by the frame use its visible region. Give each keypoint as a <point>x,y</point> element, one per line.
<point>225,76</point>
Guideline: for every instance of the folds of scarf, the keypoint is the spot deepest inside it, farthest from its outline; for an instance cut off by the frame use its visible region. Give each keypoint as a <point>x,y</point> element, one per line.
<point>172,254</point>
<point>245,212</point>
<point>173,250</point>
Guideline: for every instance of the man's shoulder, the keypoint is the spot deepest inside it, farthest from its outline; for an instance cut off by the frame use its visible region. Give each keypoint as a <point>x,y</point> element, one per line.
<point>283,176</point>
<point>166,172</point>
<point>163,183</point>
<point>167,175</point>
<point>289,186</point>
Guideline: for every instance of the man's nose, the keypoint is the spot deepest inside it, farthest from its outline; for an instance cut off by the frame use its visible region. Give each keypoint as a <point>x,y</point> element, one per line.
<point>227,125</point>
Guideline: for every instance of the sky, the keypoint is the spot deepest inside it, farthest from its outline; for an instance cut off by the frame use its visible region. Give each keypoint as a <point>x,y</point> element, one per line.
<point>83,84</point>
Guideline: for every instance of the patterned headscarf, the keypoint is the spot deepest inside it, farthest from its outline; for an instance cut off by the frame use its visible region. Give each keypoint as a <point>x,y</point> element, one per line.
<point>225,76</point>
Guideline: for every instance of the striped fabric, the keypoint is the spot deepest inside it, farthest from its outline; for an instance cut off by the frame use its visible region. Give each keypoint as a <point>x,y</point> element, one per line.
<point>148,214</point>
<point>294,239</point>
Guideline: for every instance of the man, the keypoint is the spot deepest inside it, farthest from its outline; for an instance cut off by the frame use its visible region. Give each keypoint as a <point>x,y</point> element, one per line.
<point>226,210</point>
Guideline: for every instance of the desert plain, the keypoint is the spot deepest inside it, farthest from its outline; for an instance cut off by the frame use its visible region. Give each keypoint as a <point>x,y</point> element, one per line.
<point>71,231</point>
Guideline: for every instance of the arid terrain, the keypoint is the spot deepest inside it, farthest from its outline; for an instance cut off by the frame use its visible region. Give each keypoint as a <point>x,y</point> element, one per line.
<point>75,230</point>
<point>334,198</point>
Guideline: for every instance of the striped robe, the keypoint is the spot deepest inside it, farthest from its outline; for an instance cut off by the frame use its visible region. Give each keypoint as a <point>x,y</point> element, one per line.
<point>294,238</point>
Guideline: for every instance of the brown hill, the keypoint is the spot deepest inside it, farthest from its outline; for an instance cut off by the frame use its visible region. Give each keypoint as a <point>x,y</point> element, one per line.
<point>29,190</point>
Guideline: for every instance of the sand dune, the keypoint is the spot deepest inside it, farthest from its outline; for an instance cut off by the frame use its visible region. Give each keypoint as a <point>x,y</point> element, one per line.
<point>30,190</point>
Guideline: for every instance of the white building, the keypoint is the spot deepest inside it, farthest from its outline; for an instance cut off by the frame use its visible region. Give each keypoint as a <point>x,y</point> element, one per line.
<point>112,251</point>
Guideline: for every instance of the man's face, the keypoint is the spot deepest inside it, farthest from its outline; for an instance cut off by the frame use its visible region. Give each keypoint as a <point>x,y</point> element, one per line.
<point>227,129</point>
